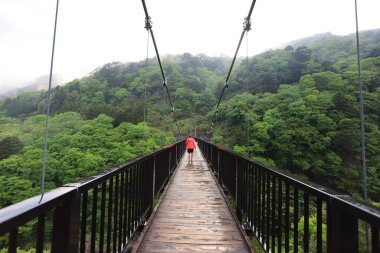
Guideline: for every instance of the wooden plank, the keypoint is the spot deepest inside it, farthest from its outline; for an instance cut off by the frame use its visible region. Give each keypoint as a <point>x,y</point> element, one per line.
<point>162,247</point>
<point>193,238</point>
<point>201,230</point>
<point>193,215</point>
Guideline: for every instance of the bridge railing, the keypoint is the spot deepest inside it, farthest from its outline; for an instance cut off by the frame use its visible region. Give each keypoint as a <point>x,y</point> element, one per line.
<point>96,214</point>
<point>287,215</point>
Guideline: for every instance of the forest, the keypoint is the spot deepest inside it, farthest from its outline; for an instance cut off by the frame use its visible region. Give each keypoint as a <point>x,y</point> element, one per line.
<point>294,109</point>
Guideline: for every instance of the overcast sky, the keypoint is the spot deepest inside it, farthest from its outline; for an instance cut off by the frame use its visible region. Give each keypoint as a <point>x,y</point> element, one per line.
<point>91,33</point>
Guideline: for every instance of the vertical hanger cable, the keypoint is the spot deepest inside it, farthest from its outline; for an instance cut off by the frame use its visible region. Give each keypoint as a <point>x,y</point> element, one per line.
<point>48,106</point>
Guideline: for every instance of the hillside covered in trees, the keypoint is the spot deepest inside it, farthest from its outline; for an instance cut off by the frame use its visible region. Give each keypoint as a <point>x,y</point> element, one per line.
<point>295,109</point>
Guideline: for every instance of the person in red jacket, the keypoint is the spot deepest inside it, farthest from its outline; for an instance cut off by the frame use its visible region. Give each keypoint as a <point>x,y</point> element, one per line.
<point>190,146</point>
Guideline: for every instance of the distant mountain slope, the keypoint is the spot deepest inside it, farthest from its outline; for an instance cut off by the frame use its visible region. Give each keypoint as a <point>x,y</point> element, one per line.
<point>329,47</point>
<point>38,84</point>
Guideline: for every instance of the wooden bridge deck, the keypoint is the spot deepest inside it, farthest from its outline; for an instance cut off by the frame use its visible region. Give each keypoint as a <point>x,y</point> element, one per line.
<point>193,215</point>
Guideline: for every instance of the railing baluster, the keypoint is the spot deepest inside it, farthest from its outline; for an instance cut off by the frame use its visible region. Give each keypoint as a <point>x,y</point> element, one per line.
<point>279,211</point>
<point>102,217</point>
<point>255,205</point>
<point>263,208</point>
<point>144,180</point>
<point>248,191</point>
<point>287,225</point>
<point>143,176</point>
<point>268,206</point>
<point>109,215</point>
<point>93,218</point>
<point>273,214</point>
<point>238,184</point>
<point>251,206</point>
<point>40,234</point>
<point>120,227</point>
<point>148,181</point>
<point>170,162</point>
<point>83,227</point>
<point>140,193</point>
<point>13,238</point>
<point>126,203</point>
<point>210,160</point>
<point>218,171</point>
<point>176,154</point>
<point>306,223</point>
<point>244,187</point>
<point>137,200</point>
<point>134,199</point>
<point>295,222</point>
<point>129,206</point>
<point>115,214</point>
<point>258,202</point>
<point>131,203</point>
<point>319,225</point>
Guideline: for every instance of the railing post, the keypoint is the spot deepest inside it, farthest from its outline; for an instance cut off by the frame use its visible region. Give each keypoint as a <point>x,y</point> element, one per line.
<point>66,225</point>
<point>342,234</point>
<point>13,238</point>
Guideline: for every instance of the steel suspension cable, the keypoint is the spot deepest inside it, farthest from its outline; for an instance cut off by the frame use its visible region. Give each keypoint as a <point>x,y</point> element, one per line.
<point>362,129</point>
<point>226,99</point>
<point>148,26</point>
<point>248,123</point>
<point>48,106</point>
<point>146,80</point>
<point>246,28</point>
<point>146,72</point>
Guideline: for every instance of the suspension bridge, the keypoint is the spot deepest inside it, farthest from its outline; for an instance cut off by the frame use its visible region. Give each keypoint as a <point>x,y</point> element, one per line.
<point>161,202</point>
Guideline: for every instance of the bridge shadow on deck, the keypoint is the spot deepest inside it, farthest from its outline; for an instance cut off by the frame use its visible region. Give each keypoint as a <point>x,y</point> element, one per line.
<point>193,215</point>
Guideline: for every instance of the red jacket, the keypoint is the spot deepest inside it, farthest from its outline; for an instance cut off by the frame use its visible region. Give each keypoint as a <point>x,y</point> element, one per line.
<point>190,143</point>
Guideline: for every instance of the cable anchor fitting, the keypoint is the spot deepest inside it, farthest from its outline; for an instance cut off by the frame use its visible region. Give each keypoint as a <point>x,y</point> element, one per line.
<point>164,83</point>
<point>247,24</point>
<point>226,84</point>
<point>148,23</point>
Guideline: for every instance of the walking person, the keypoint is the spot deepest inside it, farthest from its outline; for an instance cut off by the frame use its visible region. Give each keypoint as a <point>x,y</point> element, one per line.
<point>190,146</point>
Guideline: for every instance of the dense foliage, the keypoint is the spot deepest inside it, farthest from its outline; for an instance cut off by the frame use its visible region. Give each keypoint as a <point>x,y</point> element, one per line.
<point>77,148</point>
<point>298,105</point>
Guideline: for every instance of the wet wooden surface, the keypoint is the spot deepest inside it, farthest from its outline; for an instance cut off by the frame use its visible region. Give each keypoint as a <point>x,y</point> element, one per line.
<point>193,215</point>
